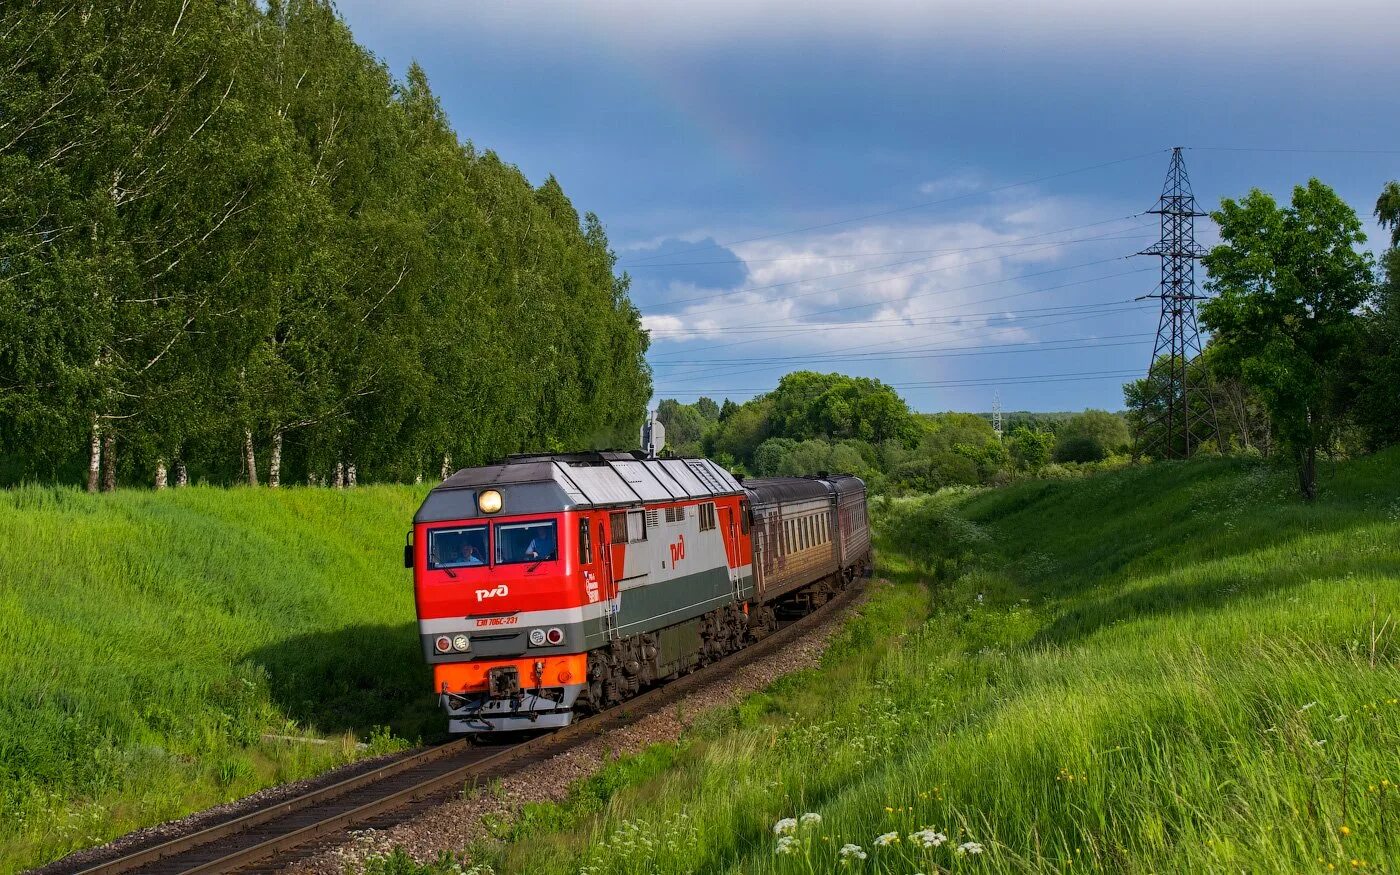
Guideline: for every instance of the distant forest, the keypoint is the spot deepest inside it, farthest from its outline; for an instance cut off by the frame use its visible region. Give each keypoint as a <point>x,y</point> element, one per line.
<point>233,248</point>
<point>857,425</point>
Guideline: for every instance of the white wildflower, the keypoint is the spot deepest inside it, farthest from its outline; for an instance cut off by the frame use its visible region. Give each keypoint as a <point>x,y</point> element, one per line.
<point>786,845</point>
<point>811,818</point>
<point>785,826</point>
<point>887,839</point>
<point>969,848</point>
<point>852,852</point>
<point>1307,706</point>
<point>927,837</point>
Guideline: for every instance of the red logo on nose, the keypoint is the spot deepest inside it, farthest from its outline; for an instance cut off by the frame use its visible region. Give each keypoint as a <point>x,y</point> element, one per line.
<point>677,549</point>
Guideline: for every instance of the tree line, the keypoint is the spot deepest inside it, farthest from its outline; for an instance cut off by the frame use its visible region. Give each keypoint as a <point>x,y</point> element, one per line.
<point>234,247</point>
<point>1304,352</point>
<point>814,422</point>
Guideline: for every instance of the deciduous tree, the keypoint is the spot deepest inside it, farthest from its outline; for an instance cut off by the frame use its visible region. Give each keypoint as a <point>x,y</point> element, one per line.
<point>1289,282</point>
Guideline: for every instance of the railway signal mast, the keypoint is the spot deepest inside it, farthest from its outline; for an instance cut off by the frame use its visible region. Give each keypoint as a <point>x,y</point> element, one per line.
<point>653,437</point>
<point>1179,416</point>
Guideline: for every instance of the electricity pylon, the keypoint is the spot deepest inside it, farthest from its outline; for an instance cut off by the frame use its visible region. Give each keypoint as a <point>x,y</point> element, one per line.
<point>1180,415</point>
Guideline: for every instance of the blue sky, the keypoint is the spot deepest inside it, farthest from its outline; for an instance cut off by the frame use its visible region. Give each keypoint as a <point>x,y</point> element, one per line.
<point>938,196</point>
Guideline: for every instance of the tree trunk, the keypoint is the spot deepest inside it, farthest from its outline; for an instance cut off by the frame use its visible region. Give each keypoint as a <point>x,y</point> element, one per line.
<point>274,462</point>
<point>338,477</point>
<point>109,462</point>
<point>1307,473</point>
<point>350,475</point>
<point>95,457</point>
<point>446,465</point>
<point>182,474</point>
<point>250,461</point>
<point>161,474</point>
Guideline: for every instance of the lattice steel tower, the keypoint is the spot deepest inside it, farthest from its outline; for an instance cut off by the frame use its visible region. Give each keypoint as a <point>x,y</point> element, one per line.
<point>996,413</point>
<point>1180,415</point>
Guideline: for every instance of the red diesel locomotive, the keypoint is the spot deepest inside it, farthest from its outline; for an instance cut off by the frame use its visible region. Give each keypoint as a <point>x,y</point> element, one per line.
<point>552,586</point>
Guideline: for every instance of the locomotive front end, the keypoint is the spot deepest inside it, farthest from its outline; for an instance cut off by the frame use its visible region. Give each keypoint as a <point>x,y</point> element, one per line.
<point>501,598</point>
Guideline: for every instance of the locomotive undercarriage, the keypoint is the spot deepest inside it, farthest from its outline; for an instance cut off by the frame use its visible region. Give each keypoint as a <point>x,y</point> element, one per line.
<point>628,665</point>
<point>631,664</point>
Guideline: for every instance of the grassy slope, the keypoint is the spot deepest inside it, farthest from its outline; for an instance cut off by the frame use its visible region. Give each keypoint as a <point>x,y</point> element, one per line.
<point>149,641</point>
<point>1168,670</point>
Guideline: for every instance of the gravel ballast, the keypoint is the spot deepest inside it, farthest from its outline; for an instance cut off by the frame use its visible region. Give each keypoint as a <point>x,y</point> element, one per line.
<point>455,824</point>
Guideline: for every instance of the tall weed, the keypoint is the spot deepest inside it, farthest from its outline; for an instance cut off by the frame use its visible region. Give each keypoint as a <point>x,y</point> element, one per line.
<point>1171,668</point>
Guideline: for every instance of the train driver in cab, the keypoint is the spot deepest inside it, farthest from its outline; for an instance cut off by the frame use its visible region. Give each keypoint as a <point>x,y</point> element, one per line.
<point>470,556</point>
<point>541,546</point>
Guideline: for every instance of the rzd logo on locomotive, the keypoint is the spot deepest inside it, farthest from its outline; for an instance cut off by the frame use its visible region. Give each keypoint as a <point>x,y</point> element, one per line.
<point>484,594</point>
<point>677,549</point>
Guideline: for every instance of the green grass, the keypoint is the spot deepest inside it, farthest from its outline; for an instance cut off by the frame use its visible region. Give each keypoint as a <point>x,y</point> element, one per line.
<point>150,641</point>
<point>1161,669</point>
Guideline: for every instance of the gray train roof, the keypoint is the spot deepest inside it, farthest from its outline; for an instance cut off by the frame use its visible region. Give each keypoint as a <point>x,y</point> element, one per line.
<point>549,484</point>
<point>845,483</point>
<point>763,490</point>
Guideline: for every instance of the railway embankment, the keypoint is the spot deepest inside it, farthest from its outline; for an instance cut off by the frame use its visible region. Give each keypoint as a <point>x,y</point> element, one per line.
<point>166,652</point>
<point>1175,668</point>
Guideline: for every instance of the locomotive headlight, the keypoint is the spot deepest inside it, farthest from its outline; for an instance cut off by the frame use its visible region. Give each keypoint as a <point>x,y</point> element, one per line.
<point>489,501</point>
<point>555,636</point>
<point>443,644</point>
<point>461,643</point>
<point>536,637</point>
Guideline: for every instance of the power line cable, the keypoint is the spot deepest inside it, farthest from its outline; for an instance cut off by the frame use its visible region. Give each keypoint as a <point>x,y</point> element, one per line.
<point>930,252</point>
<point>956,330</point>
<point>914,354</point>
<point>732,292</point>
<point>803,329</point>
<point>1029,313</point>
<point>970,382</point>
<point>918,206</point>
<point>978,352</point>
<point>1297,151</point>
<point>730,370</point>
<point>925,294</point>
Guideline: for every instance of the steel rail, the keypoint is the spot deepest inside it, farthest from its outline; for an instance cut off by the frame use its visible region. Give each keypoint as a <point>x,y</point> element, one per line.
<point>262,815</point>
<point>487,765</point>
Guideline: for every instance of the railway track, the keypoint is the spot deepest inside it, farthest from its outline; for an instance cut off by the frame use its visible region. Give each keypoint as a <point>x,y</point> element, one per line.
<point>279,832</point>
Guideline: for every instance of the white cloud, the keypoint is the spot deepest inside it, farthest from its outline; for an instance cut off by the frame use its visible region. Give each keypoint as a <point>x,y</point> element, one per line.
<point>932,285</point>
<point>918,315</point>
<point>888,270</point>
<point>952,185</point>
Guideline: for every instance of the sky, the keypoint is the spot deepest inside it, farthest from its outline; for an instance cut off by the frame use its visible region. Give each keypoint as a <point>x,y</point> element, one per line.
<point>944,196</point>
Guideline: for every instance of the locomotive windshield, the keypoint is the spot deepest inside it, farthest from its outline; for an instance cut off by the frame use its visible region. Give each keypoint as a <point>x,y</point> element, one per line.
<point>457,548</point>
<point>526,542</point>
